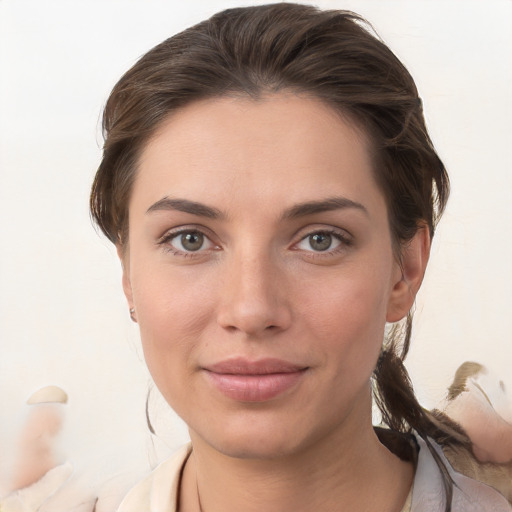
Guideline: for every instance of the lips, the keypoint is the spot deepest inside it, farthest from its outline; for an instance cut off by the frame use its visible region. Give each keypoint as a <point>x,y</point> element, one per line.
<point>254,381</point>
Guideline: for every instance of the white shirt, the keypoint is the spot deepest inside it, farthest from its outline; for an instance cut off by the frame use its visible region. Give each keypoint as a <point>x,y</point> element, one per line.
<point>158,492</point>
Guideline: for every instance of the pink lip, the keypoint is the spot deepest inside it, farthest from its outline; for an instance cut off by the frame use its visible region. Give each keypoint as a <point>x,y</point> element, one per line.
<point>254,381</point>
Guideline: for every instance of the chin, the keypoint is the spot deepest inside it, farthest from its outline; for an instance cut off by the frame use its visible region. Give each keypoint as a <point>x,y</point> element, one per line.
<point>253,436</point>
<point>255,447</point>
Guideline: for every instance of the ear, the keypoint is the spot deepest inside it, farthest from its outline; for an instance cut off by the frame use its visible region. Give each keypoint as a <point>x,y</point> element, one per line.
<point>409,275</point>
<point>125,265</point>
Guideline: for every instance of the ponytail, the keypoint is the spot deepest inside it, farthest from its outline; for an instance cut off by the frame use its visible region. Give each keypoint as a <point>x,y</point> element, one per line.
<point>401,412</point>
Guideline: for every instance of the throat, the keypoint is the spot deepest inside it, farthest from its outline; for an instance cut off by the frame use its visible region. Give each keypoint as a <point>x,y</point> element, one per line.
<point>376,480</point>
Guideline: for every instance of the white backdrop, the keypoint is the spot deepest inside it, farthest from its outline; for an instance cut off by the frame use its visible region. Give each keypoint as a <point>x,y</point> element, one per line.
<point>63,319</point>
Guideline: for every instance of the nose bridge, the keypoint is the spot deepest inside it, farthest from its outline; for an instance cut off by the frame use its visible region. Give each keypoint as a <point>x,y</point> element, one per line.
<point>253,298</point>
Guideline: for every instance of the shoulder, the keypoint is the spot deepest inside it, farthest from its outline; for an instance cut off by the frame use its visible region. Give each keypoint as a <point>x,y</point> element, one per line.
<point>159,490</point>
<point>468,495</point>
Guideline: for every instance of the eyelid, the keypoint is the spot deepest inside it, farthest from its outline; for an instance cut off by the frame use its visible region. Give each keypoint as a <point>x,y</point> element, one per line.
<point>311,229</point>
<point>345,238</point>
<point>172,233</point>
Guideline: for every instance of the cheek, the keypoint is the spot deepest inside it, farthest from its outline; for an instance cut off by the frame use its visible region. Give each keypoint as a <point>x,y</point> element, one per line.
<point>173,310</point>
<point>348,316</point>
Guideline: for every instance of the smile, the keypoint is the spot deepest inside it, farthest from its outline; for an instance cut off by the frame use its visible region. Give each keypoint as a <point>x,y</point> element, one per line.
<point>256,381</point>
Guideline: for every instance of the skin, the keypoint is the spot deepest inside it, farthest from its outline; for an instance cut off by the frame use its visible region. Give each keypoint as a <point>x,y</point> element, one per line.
<point>257,288</point>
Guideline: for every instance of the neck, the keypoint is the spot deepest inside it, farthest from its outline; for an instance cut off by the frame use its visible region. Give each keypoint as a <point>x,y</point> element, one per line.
<point>350,468</point>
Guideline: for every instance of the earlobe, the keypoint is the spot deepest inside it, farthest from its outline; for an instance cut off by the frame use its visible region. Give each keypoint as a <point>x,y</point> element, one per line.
<point>410,272</point>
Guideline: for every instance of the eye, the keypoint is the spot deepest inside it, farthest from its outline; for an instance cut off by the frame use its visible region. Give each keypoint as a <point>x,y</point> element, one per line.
<point>320,241</point>
<point>189,241</point>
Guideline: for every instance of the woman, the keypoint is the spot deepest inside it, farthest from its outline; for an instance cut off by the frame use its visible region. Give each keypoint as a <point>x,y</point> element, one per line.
<point>272,192</point>
<point>249,267</point>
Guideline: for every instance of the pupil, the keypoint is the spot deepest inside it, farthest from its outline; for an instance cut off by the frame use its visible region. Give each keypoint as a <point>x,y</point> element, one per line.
<point>192,241</point>
<point>320,241</point>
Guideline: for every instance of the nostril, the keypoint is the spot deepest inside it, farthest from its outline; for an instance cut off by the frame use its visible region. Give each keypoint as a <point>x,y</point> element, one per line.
<point>253,314</point>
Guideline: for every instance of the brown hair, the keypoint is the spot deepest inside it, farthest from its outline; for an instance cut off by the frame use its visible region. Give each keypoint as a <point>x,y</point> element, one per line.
<point>331,55</point>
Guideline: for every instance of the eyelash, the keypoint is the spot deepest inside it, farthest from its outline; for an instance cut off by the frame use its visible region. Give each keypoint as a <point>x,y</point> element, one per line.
<point>345,241</point>
<point>165,240</point>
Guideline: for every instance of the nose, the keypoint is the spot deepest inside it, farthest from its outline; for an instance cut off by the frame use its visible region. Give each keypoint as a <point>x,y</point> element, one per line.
<point>254,297</point>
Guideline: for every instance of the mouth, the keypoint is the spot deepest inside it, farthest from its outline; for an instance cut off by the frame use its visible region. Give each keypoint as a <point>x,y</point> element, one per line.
<point>254,381</point>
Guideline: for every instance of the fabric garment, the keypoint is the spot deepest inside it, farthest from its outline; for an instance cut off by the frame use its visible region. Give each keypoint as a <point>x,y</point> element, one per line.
<point>158,492</point>
<point>468,495</point>
<point>496,475</point>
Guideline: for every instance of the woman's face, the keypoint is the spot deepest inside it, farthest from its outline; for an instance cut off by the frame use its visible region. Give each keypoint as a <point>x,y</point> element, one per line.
<point>261,270</point>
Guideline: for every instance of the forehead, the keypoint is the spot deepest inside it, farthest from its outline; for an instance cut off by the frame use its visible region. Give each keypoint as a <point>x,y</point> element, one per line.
<point>285,147</point>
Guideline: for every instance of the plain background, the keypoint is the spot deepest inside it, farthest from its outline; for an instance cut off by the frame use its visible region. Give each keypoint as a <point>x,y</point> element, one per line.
<point>63,318</point>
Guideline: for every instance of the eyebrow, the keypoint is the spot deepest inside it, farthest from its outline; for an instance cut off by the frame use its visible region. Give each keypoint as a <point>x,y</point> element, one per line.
<point>324,205</point>
<point>186,206</point>
<point>296,211</point>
